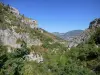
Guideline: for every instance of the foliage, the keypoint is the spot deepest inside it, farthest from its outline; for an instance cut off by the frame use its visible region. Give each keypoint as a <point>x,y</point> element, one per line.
<point>58,60</point>
<point>3,55</point>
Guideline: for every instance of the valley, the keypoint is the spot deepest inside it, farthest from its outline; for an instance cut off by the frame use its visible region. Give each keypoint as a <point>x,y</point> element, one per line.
<point>27,49</point>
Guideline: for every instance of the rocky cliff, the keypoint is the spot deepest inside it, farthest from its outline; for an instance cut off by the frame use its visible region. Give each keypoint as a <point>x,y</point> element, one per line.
<point>85,35</point>
<point>13,28</point>
<point>16,29</point>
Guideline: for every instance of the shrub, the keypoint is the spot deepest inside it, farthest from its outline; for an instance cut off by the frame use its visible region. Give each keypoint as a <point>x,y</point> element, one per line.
<point>3,55</point>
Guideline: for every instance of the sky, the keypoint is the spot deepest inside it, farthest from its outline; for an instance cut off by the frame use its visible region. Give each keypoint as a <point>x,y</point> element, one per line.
<point>59,15</point>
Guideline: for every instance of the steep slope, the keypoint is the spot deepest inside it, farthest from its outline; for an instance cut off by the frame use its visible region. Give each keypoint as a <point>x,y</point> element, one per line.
<point>79,36</point>
<point>14,26</point>
<point>85,35</point>
<point>26,49</point>
<point>16,29</point>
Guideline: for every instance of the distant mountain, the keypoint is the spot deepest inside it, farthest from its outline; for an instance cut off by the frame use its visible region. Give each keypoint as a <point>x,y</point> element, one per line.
<point>22,42</point>
<point>76,37</point>
<point>86,34</point>
<point>68,35</point>
<point>26,49</point>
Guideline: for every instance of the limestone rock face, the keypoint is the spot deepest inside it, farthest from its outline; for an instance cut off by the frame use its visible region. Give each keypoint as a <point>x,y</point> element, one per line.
<point>82,38</point>
<point>95,23</point>
<point>10,37</point>
<point>31,23</point>
<point>21,35</point>
<point>14,10</point>
<point>27,21</point>
<point>86,33</point>
<point>13,31</point>
<point>34,57</point>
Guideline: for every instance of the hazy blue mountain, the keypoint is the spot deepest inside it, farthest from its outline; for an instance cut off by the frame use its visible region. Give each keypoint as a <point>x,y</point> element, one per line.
<point>68,35</point>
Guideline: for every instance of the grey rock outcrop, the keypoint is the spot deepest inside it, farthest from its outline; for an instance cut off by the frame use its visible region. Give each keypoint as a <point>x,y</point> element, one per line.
<point>94,24</point>
<point>34,57</point>
<point>85,35</point>
<point>14,10</point>
<point>31,23</point>
<point>9,37</point>
<point>27,21</point>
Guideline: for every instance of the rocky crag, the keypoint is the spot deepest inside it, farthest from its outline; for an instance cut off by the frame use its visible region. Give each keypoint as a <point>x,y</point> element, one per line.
<point>85,35</point>
<point>16,29</point>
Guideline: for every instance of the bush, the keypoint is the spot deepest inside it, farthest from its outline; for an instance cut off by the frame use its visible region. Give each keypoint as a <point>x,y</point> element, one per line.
<point>3,55</point>
<point>95,38</point>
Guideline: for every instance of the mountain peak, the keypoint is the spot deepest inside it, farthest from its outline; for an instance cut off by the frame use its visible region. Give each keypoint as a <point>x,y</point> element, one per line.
<point>95,23</point>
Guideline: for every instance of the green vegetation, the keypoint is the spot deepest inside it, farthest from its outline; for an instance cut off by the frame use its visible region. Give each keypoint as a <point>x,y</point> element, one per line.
<point>55,63</point>
<point>82,60</point>
<point>57,59</point>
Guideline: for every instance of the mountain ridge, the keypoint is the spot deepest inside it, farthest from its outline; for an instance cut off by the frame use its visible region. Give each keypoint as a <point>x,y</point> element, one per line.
<point>76,37</point>
<point>26,49</point>
<point>16,30</point>
<point>86,34</point>
<point>68,35</point>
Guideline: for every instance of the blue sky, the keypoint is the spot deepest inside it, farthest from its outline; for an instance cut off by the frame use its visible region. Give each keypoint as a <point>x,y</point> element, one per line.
<point>59,15</point>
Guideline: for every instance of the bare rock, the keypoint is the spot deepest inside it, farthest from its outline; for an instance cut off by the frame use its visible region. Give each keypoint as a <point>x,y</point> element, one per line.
<point>14,10</point>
